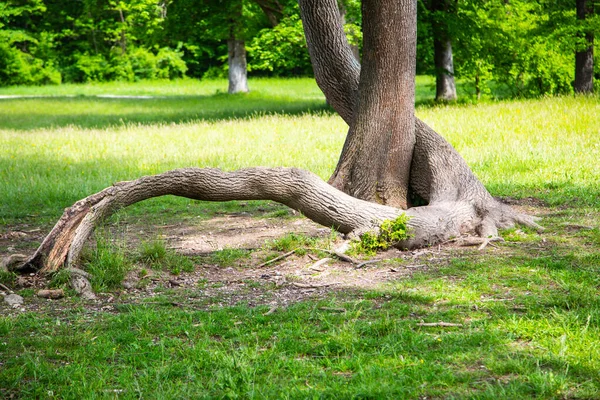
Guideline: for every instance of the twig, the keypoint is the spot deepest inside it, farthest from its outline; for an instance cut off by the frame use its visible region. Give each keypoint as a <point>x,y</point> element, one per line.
<point>335,253</point>
<point>312,286</point>
<point>442,324</point>
<point>342,310</point>
<point>271,310</point>
<point>362,264</point>
<point>289,253</point>
<point>6,288</point>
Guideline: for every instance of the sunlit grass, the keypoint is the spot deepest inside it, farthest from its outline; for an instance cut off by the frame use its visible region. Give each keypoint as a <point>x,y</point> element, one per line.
<point>58,151</point>
<point>528,312</point>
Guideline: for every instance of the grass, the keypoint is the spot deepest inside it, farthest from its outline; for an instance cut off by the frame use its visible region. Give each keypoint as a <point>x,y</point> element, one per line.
<point>529,311</point>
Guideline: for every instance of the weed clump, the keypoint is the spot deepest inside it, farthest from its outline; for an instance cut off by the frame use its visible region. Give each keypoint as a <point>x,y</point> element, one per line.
<point>107,263</point>
<point>390,233</point>
<point>156,255</point>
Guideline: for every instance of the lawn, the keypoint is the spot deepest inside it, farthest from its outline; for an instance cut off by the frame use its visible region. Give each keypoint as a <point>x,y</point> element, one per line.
<point>526,312</point>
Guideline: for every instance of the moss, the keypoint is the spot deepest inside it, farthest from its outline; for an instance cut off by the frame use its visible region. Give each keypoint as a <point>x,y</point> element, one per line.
<point>390,233</point>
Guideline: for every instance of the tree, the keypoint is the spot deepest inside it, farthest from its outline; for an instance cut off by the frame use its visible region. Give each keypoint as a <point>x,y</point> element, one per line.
<point>390,160</point>
<point>584,57</point>
<point>236,51</point>
<point>440,11</point>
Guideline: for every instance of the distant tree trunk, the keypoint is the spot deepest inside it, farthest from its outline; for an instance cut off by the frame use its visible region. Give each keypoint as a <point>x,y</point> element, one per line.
<point>375,161</point>
<point>445,88</point>
<point>238,79</point>
<point>236,53</point>
<point>584,60</point>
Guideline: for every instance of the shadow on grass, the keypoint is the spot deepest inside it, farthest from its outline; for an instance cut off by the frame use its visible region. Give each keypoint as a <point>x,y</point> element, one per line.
<point>100,112</point>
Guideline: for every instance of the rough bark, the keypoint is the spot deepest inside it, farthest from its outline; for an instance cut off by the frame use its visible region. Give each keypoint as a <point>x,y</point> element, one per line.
<point>439,175</point>
<point>298,189</point>
<point>584,59</point>
<point>238,79</point>
<point>375,161</point>
<point>445,88</point>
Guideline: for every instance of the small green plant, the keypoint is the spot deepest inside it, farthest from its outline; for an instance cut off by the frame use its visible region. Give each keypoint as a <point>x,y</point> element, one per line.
<point>152,252</point>
<point>7,278</point>
<point>390,233</point>
<point>60,279</point>
<point>227,257</point>
<point>291,241</point>
<point>156,255</point>
<point>108,264</point>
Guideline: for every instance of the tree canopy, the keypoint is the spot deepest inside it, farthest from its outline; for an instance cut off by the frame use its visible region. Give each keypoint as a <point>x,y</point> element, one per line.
<point>524,47</point>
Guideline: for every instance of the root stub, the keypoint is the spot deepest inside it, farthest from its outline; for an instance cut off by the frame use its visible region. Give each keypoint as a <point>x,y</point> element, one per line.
<point>298,189</point>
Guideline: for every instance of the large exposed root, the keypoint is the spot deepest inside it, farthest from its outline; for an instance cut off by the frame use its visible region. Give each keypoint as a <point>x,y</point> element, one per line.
<point>298,189</point>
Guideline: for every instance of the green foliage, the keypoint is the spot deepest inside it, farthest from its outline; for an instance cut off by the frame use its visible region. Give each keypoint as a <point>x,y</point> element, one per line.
<point>390,233</point>
<point>137,64</point>
<point>281,50</point>
<point>7,278</point>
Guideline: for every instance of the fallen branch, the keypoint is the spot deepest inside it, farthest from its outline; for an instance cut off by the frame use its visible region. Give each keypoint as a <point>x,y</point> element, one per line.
<point>6,288</point>
<point>51,293</point>
<point>316,265</point>
<point>362,264</point>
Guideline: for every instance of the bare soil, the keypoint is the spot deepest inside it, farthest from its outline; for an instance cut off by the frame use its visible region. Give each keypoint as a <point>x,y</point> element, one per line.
<point>299,276</point>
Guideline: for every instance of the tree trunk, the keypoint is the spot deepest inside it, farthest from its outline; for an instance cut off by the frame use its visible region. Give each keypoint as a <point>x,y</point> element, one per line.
<point>236,53</point>
<point>438,174</point>
<point>445,88</point>
<point>238,79</point>
<point>273,10</point>
<point>375,161</point>
<point>584,60</point>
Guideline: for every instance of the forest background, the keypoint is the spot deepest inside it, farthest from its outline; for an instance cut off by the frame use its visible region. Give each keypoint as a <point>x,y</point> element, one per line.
<point>524,48</point>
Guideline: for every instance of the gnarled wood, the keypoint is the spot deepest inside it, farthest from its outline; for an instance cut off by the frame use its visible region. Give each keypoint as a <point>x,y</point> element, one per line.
<point>438,174</point>
<point>296,188</point>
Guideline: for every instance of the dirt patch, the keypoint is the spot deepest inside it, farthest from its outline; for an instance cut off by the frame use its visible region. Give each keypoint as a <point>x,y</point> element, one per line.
<point>308,273</point>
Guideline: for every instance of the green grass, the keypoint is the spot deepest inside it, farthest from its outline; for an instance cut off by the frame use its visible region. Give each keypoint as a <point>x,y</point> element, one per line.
<point>529,310</point>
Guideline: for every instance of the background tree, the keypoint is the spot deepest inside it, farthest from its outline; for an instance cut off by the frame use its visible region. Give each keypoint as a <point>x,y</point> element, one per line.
<point>584,56</point>
<point>441,12</point>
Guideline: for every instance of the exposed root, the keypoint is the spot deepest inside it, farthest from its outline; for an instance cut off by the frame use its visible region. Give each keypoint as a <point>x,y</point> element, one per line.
<point>298,189</point>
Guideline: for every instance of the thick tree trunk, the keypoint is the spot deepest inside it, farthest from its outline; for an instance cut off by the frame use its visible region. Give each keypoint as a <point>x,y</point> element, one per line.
<point>438,174</point>
<point>238,79</point>
<point>584,60</point>
<point>445,88</point>
<point>375,161</point>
